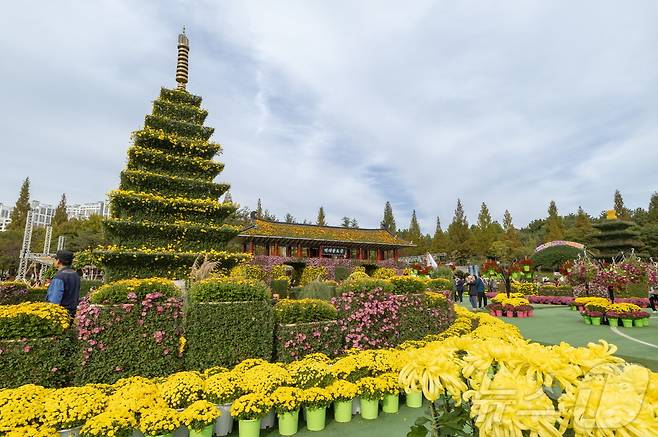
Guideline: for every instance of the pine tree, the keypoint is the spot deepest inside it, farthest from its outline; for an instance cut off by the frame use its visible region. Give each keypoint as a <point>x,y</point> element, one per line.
<point>166,213</point>
<point>19,213</point>
<point>554,227</point>
<point>485,231</point>
<point>414,228</point>
<point>439,241</point>
<point>582,229</point>
<point>459,233</point>
<point>388,222</point>
<point>354,223</point>
<point>289,218</point>
<point>259,209</point>
<point>652,214</point>
<point>346,222</point>
<point>60,217</point>
<point>321,220</point>
<point>623,213</point>
<point>508,246</point>
<point>508,225</point>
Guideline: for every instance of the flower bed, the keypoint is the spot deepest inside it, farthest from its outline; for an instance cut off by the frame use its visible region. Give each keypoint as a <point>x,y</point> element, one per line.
<point>513,306</point>
<point>294,341</point>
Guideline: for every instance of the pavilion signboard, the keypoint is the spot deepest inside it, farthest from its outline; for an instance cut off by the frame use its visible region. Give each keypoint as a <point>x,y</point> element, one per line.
<point>334,251</point>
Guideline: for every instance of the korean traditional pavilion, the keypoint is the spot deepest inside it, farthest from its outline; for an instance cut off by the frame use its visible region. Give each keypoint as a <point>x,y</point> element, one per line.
<point>312,241</point>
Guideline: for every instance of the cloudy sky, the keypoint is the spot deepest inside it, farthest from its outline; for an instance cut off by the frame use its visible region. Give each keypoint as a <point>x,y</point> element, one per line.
<point>346,104</point>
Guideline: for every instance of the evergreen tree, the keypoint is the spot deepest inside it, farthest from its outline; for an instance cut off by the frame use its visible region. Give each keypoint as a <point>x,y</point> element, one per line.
<point>354,223</point>
<point>652,214</point>
<point>414,229</point>
<point>19,213</point>
<point>259,209</point>
<point>623,213</point>
<point>485,232</point>
<point>289,218</point>
<point>554,226</point>
<point>346,222</point>
<point>60,217</point>
<point>508,225</point>
<point>321,220</point>
<point>388,222</point>
<point>582,229</point>
<point>439,241</point>
<point>508,246</point>
<point>458,234</point>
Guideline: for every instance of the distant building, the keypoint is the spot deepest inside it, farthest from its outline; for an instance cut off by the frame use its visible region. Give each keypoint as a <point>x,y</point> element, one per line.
<point>5,219</point>
<point>43,213</point>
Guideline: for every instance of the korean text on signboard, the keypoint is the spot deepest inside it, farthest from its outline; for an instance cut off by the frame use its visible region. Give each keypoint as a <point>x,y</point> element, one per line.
<point>334,251</point>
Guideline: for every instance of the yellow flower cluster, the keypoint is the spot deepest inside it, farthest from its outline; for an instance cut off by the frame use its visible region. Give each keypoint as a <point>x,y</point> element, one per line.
<point>182,389</point>
<point>371,388</point>
<point>623,307</point>
<point>72,406</point>
<point>223,388</point>
<point>32,431</point>
<point>287,399</point>
<point>178,202</point>
<point>595,300</point>
<point>264,378</point>
<point>195,146</point>
<point>316,397</point>
<point>342,390</point>
<point>199,415</point>
<point>154,155</point>
<point>50,313</point>
<point>500,296</point>
<point>251,406</point>
<point>515,301</point>
<point>158,421</point>
<point>112,423</point>
<point>524,288</point>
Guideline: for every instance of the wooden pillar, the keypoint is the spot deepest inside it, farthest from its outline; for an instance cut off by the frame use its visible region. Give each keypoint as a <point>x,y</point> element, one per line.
<point>267,249</point>
<point>299,250</point>
<point>320,252</point>
<point>276,249</point>
<point>380,254</point>
<point>396,254</point>
<point>252,249</point>
<point>244,247</point>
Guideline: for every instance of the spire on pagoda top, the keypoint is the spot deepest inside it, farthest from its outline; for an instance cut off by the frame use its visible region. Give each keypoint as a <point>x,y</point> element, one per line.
<point>182,65</point>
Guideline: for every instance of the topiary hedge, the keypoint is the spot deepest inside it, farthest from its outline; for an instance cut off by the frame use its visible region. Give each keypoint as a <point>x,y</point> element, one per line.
<point>407,284</point>
<point>228,321</point>
<point>288,311</point>
<point>364,284</point>
<point>132,289</point>
<point>313,273</point>
<point>439,284</point>
<point>32,320</point>
<point>294,341</point>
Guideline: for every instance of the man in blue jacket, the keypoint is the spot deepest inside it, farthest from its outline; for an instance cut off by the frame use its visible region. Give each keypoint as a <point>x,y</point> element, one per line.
<point>482,293</point>
<point>64,289</point>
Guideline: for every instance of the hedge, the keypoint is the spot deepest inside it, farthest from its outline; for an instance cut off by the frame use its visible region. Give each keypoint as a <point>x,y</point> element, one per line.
<point>179,96</point>
<point>180,112</point>
<point>142,337</point>
<point>182,128</point>
<point>166,185</point>
<point>294,341</point>
<point>13,292</point>
<point>423,314</point>
<point>229,290</point>
<point>364,285</point>
<point>140,158</point>
<point>175,144</point>
<point>439,284</point>
<point>407,284</point>
<point>43,361</point>
<point>225,333</point>
<point>552,290</point>
<point>185,236</point>
<point>289,311</point>
<point>129,290</point>
<point>32,320</point>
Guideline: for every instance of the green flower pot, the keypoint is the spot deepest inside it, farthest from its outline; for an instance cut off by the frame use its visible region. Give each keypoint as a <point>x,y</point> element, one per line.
<point>391,404</point>
<point>628,323</point>
<point>638,323</point>
<point>288,423</point>
<point>249,428</point>
<point>596,321</point>
<point>369,408</point>
<point>204,432</point>
<point>588,320</point>
<point>414,399</point>
<point>646,321</point>
<point>71,432</point>
<point>315,418</point>
<point>343,411</point>
<point>613,321</point>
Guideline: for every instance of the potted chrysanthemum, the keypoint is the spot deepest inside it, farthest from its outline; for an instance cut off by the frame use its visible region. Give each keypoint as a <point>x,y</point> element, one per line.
<point>249,409</point>
<point>343,393</point>
<point>67,409</point>
<point>316,401</point>
<point>287,401</point>
<point>159,422</point>
<point>370,390</point>
<point>222,389</point>
<point>199,418</point>
<point>118,422</point>
<point>391,389</point>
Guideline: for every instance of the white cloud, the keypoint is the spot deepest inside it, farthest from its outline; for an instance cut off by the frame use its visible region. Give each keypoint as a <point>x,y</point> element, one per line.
<point>349,104</point>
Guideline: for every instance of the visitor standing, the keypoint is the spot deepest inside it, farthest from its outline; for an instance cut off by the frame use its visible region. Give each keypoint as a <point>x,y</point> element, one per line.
<point>459,289</point>
<point>64,289</point>
<point>611,294</point>
<point>482,292</point>
<point>472,292</point>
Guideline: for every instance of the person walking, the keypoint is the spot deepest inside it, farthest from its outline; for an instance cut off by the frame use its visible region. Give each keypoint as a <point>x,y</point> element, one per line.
<point>64,289</point>
<point>482,292</point>
<point>472,292</point>
<point>459,289</point>
<point>611,294</point>
<point>653,297</point>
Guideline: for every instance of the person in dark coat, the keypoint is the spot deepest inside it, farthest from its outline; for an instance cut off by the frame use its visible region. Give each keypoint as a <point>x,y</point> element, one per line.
<point>482,292</point>
<point>472,292</point>
<point>64,289</point>
<point>459,289</point>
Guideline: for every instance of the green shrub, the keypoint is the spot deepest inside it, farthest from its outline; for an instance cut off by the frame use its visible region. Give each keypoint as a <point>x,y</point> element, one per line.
<point>552,290</point>
<point>280,270</point>
<point>317,290</point>
<point>280,286</point>
<point>444,272</point>
<point>120,291</point>
<point>552,258</point>
<point>248,271</point>
<point>229,290</point>
<point>439,284</point>
<point>13,292</point>
<point>341,273</point>
<point>358,274</point>
<point>640,289</point>
<point>407,285</point>
<point>42,361</point>
<point>364,285</point>
<point>129,339</point>
<point>288,311</point>
<point>32,320</point>
<point>384,273</point>
<point>421,315</point>
<point>293,342</point>
<point>86,286</point>
<point>313,273</point>
<point>223,334</point>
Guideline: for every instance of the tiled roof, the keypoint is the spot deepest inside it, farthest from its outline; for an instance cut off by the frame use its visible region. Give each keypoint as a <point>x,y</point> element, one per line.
<point>294,231</point>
